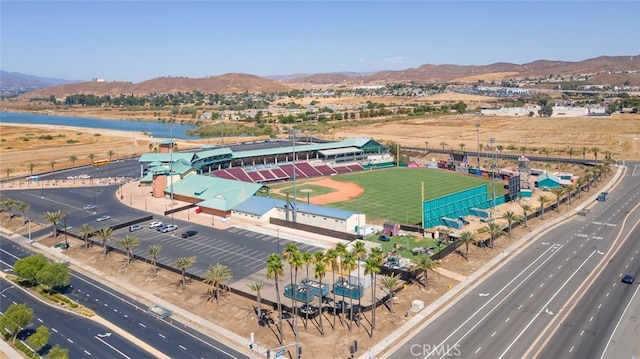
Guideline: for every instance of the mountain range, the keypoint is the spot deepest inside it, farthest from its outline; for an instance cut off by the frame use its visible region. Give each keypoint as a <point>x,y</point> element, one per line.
<point>604,70</point>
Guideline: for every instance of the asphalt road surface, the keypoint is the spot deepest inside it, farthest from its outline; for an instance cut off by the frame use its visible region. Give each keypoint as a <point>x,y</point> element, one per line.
<point>505,315</point>
<point>81,336</point>
<point>243,251</point>
<point>171,337</point>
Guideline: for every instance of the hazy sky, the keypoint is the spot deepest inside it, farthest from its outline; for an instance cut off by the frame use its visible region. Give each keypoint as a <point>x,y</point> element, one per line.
<point>141,40</point>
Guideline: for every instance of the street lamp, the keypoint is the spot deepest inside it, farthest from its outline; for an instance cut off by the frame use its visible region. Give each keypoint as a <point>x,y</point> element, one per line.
<point>478,141</point>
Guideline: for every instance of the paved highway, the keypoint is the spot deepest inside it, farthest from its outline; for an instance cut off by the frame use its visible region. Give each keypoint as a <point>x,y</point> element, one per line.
<point>172,338</point>
<point>83,337</point>
<point>503,316</point>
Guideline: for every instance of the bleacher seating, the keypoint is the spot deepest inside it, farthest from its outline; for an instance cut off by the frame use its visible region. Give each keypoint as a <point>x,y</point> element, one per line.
<point>355,168</point>
<point>342,169</point>
<point>267,175</point>
<point>307,169</point>
<point>325,170</point>
<point>223,174</point>
<point>239,173</point>
<point>279,173</point>
<point>289,168</point>
<point>255,176</point>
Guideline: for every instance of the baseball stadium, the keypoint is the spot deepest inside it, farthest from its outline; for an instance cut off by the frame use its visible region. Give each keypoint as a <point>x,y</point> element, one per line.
<point>327,187</point>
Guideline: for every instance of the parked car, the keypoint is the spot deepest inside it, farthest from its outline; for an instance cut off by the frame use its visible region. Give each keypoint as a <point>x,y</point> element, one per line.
<point>89,207</point>
<point>628,278</point>
<point>103,218</point>
<point>135,227</point>
<point>384,238</point>
<point>155,224</point>
<point>418,250</point>
<point>188,234</point>
<point>169,228</point>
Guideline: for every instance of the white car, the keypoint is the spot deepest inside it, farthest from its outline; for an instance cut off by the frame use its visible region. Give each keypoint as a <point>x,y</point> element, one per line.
<point>169,228</point>
<point>155,224</point>
<point>103,218</point>
<point>89,207</point>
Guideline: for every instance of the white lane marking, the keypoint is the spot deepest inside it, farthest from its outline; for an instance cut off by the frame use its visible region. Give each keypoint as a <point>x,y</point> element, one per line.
<point>599,305</point>
<point>531,295</point>
<point>590,319</point>
<point>40,320</point>
<point>541,284</point>
<point>54,329</point>
<point>551,275</point>
<point>477,350</point>
<point>86,352</point>
<point>607,294</point>
<point>181,347</point>
<point>161,336</point>
<point>604,352</point>
<point>142,325</point>
<point>114,349</point>
<point>507,320</point>
<point>70,341</point>
<point>520,283</point>
<point>547,304</point>
<point>582,332</point>
<point>494,333</point>
<point>570,350</point>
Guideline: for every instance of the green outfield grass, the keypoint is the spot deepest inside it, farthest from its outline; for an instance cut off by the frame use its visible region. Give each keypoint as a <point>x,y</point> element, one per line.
<point>395,194</point>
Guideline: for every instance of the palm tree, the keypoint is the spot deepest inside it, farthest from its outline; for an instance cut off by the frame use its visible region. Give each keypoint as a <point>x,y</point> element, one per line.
<point>52,164</point>
<point>331,258</point>
<point>85,231</point>
<point>580,184</point>
<point>319,270</point>
<point>341,251</point>
<point>462,146</point>
<point>31,166</point>
<point>523,149</point>
<point>275,270</point>
<point>154,251</point>
<point>558,192</point>
<point>150,146</point>
<point>217,275</point>
<point>183,263</point>
<point>443,144</point>
<point>584,153</point>
<point>391,284</point>
<point>595,151</point>
<point>91,156</point>
<point>54,218</point>
<point>359,250</point>
<point>307,260</point>
<point>104,234</point>
<point>494,231</point>
<point>543,200</point>
<point>570,150</point>
<point>8,205</point>
<point>510,217</point>
<point>9,171</point>
<point>73,160</point>
<point>467,238</point>
<point>425,264</point>
<point>570,189</point>
<point>110,154</point>
<point>22,207</point>
<point>257,287</point>
<point>128,242</point>
<point>526,208</point>
<point>349,263</point>
<point>372,267</point>
<point>500,148</point>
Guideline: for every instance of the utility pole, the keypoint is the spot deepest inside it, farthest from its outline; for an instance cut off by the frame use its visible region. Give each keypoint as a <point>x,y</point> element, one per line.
<point>478,142</point>
<point>295,204</point>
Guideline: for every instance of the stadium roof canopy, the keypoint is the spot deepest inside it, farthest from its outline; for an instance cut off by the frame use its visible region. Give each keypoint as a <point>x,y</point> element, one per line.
<point>340,151</point>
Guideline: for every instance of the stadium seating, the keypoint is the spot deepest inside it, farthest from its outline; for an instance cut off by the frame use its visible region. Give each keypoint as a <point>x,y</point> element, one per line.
<point>326,170</point>
<point>307,169</point>
<point>342,169</point>
<point>255,176</point>
<point>223,174</point>
<point>239,173</point>
<point>289,168</point>
<point>355,168</point>
<point>279,173</point>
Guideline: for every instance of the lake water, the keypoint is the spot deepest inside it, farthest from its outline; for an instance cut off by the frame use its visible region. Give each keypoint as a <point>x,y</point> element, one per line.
<point>155,129</point>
